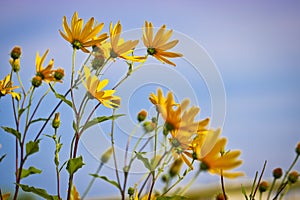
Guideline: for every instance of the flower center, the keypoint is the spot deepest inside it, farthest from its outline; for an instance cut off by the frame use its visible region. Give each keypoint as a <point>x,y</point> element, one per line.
<point>113,54</point>
<point>151,51</point>
<point>77,44</point>
<point>204,166</point>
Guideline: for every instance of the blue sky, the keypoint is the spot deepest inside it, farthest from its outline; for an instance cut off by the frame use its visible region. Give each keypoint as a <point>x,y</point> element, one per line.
<point>254,44</point>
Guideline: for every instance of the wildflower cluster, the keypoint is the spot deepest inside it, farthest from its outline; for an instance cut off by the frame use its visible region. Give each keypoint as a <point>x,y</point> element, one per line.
<point>178,144</point>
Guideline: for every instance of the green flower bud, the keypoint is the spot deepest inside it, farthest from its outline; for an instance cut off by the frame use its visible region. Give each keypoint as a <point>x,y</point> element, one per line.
<point>15,64</point>
<point>175,167</point>
<point>36,81</point>
<point>293,177</point>
<point>59,74</point>
<point>16,52</point>
<point>298,148</point>
<point>106,155</point>
<point>142,115</point>
<point>149,126</point>
<point>263,186</point>
<point>56,121</point>
<point>130,191</point>
<point>277,173</point>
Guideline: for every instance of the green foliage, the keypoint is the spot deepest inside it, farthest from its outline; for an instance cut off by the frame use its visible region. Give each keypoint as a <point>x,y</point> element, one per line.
<point>32,147</point>
<point>12,131</point>
<point>98,120</point>
<point>107,180</point>
<point>144,160</point>
<point>38,191</point>
<point>61,97</point>
<point>74,164</point>
<point>31,170</point>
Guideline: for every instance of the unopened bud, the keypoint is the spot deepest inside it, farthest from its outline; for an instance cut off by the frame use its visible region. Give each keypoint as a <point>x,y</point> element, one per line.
<point>59,74</point>
<point>293,177</point>
<point>298,148</point>
<point>149,126</point>
<point>116,103</point>
<point>263,186</point>
<point>175,167</point>
<point>106,155</point>
<point>165,178</point>
<point>277,173</point>
<point>15,52</point>
<point>142,115</point>
<point>98,61</point>
<point>56,121</point>
<point>130,191</point>
<point>15,64</point>
<point>36,81</point>
<point>220,196</point>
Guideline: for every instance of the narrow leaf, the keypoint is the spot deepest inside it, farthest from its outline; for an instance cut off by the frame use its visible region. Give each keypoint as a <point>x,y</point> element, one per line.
<point>61,97</point>
<point>144,160</point>
<point>107,180</point>
<point>98,120</point>
<point>32,147</point>
<point>12,131</point>
<point>38,191</point>
<point>38,120</point>
<point>31,170</point>
<point>74,164</point>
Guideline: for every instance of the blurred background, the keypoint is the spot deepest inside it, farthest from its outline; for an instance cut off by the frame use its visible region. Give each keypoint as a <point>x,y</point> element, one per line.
<point>255,46</point>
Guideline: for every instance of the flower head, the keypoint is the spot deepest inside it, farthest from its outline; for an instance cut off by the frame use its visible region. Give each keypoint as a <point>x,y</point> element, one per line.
<point>47,74</point>
<point>121,48</point>
<point>95,88</point>
<point>217,161</point>
<point>81,36</point>
<point>158,46</point>
<point>6,87</point>
<point>160,101</point>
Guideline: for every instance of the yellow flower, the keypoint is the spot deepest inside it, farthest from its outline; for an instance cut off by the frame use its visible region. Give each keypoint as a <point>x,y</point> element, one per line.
<point>6,87</point>
<point>95,88</point>
<point>160,101</point>
<point>158,46</point>
<point>81,37</point>
<point>120,48</point>
<point>217,161</point>
<point>47,73</point>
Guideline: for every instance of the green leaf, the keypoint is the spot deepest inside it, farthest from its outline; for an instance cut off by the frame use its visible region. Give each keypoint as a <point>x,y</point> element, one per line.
<point>107,180</point>
<point>74,164</point>
<point>12,131</point>
<point>29,171</point>
<point>38,120</point>
<point>98,120</point>
<point>32,147</point>
<point>2,157</point>
<point>74,126</point>
<point>176,197</point>
<point>144,160</point>
<point>61,97</point>
<point>38,191</point>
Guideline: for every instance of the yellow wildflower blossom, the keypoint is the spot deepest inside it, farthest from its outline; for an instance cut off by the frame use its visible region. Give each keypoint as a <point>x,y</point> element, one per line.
<point>46,74</point>
<point>160,101</point>
<point>119,47</point>
<point>158,46</point>
<point>81,37</point>
<point>217,161</point>
<point>6,87</point>
<point>95,88</point>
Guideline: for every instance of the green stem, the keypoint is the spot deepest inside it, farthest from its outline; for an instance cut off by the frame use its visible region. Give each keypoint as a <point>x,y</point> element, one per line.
<point>190,183</point>
<point>271,188</point>
<point>289,170</point>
